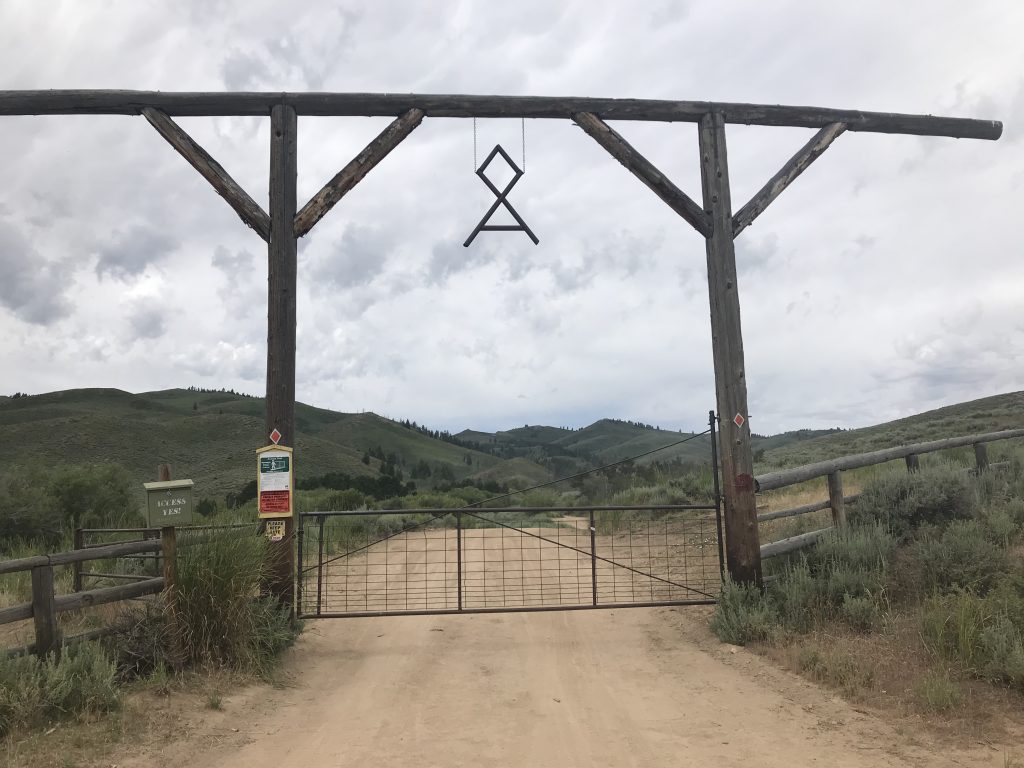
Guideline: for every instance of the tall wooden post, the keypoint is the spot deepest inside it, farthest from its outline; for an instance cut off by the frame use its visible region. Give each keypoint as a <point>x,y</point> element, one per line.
<point>281,288</point>
<point>742,545</point>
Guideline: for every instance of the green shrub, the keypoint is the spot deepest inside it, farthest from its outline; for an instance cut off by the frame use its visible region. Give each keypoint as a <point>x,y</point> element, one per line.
<point>743,614</point>
<point>904,501</point>
<point>795,594</point>
<point>1002,644</point>
<point>860,613</point>
<point>961,557</point>
<point>36,691</point>
<point>843,577</point>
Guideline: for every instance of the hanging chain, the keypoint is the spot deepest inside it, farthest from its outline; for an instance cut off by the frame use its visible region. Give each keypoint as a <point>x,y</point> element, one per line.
<point>522,122</point>
<point>522,125</point>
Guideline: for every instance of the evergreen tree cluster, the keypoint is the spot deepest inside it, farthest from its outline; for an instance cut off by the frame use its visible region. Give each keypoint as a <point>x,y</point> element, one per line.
<point>221,391</point>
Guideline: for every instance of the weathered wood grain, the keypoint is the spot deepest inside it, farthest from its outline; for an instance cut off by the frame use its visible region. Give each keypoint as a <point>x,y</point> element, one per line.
<point>281,319</point>
<point>91,597</point>
<point>835,498</point>
<point>79,555</point>
<point>796,165</point>
<point>354,172</point>
<point>18,612</point>
<point>248,210</point>
<point>122,102</point>
<point>743,554</point>
<point>644,170</point>
<point>793,543</point>
<point>804,509</point>
<point>44,615</point>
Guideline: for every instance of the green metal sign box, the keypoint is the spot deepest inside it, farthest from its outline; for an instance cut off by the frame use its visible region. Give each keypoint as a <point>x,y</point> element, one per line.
<point>169,503</point>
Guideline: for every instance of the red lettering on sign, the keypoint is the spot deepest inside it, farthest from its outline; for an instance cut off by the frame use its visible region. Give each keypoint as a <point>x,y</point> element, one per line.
<point>275,501</point>
<point>744,483</point>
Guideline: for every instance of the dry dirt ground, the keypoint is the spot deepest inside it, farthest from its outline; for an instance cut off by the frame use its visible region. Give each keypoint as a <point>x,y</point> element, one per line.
<point>626,687</point>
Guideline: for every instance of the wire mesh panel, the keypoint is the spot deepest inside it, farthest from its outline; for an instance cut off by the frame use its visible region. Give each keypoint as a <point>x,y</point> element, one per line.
<point>471,560</point>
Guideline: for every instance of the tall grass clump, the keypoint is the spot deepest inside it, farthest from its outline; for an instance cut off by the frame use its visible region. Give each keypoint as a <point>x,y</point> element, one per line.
<point>34,691</point>
<point>982,634</point>
<point>222,619</point>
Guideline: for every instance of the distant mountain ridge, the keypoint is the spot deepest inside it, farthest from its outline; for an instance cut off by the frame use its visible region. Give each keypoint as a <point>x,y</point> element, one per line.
<point>210,436</point>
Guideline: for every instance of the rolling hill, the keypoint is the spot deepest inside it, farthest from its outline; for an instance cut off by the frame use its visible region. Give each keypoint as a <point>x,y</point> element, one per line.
<point>211,437</point>
<point>988,414</point>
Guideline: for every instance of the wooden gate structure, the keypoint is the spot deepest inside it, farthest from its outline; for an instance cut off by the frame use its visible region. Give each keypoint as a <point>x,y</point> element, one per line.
<point>713,219</point>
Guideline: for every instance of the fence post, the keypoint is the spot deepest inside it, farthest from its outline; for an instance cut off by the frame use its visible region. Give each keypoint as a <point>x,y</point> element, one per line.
<point>913,463</point>
<point>981,457</point>
<point>44,613</point>
<point>76,568</point>
<point>835,498</point>
<point>169,555</point>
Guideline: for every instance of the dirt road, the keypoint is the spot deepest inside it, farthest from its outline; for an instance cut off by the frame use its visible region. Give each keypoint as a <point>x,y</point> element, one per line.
<point>636,687</point>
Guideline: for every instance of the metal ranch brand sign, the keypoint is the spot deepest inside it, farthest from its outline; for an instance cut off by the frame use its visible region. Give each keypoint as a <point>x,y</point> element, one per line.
<point>275,480</point>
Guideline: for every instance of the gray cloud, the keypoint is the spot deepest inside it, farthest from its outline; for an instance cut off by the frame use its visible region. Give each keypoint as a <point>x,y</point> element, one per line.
<point>233,265</point>
<point>130,251</point>
<point>31,288</point>
<point>757,253</point>
<point>359,258</point>
<point>450,258</point>
<point>147,322</point>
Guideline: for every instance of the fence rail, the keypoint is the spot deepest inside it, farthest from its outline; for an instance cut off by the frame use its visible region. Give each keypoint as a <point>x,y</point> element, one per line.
<point>46,605</point>
<point>832,470</point>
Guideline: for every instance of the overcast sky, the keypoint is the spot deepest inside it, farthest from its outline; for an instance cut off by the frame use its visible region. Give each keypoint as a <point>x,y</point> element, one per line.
<point>886,281</point>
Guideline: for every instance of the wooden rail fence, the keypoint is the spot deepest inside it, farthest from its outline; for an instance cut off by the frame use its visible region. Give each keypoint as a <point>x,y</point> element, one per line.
<point>832,470</point>
<point>45,605</point>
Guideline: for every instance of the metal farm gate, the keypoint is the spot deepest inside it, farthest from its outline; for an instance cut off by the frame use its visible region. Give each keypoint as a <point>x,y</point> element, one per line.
<point>483,560</point>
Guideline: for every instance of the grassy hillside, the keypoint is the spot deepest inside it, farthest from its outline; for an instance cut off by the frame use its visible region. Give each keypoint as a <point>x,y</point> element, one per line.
<point>988,414</point>
<point>211,436</point>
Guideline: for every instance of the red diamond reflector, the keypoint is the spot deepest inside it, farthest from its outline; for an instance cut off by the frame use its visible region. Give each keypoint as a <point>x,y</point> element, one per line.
<point>738,420</point>
<point>275,437</point>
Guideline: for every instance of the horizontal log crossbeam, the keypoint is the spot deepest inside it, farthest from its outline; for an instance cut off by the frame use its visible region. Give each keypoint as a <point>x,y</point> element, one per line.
<point>784,477</point>
<point>796,165</point>
<point>354,172</point>
<point>644,170</point>
<point>122,102</point>
<point>247,209</point>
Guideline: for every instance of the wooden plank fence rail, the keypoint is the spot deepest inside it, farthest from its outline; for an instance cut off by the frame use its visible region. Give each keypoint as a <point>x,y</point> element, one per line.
<point>45,605</point>
<point>832,470</point>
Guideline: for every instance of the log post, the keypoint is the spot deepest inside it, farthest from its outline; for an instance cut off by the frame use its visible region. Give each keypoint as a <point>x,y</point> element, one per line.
<point>76,567</point>
<point>835,498</point>
<point>281,306</point>
<point>743,551</point>
<point>169,560</point>
<point>913,462</point>
<point>169,554</point>
<point>981,457</point>
<point>44,613</point>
